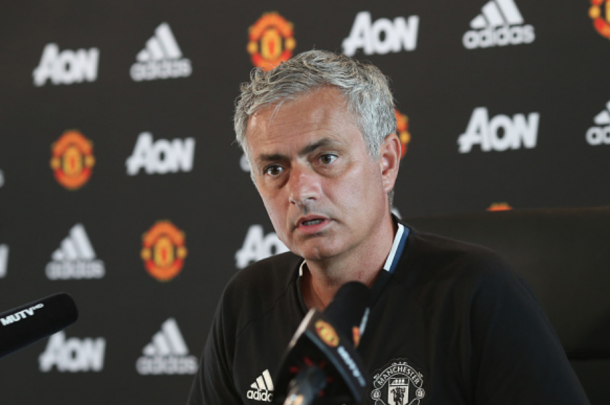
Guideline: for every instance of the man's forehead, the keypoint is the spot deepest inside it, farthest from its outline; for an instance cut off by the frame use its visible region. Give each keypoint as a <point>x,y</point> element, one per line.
<point>292,128</point>
<point>304,103</point>
<point>323,109</point>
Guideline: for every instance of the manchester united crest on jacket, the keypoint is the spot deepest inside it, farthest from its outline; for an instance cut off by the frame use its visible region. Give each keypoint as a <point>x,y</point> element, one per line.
<point>398,384</point>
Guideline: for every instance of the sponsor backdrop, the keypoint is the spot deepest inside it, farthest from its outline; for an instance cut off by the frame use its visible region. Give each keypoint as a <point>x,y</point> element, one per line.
<point>120,182</point>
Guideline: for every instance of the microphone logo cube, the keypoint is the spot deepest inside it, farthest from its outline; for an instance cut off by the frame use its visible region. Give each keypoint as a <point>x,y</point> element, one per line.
<point>327,333</point>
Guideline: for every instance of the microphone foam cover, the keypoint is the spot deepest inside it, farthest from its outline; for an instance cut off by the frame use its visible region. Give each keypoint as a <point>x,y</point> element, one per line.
<point>348,306</point>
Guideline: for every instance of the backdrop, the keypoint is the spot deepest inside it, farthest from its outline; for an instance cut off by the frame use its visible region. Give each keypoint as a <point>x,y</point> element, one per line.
<point>120,182</point>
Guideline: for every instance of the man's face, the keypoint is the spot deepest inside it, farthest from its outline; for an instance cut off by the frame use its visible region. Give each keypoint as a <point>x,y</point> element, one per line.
<point>322,190</point>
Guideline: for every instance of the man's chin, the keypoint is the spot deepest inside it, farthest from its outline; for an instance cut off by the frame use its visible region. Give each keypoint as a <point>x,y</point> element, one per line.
<point>316,252</point>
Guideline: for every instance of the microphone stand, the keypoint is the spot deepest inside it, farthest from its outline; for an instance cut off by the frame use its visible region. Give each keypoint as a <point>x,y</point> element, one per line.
<point>303,389</point>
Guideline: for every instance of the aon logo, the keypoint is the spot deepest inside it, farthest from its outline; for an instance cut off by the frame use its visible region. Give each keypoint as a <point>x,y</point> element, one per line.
<point>3,259</point>
<point>500,133</point>
<point>66,67</point>
<point>382,36</point>
<point>257,246</point>
<point>73,355</point>
<point>161,156</point>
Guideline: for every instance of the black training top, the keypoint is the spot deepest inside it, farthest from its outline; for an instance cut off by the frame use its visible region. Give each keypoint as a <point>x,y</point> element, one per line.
<point>453,325</point>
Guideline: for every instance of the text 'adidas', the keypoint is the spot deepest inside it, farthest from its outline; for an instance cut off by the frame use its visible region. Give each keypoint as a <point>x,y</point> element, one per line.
<point>500,24</point>
<point>261,389</point>
<point>167,353</point>
<point>75,259</point>
<point>600,134</point>
<point>161,59</point>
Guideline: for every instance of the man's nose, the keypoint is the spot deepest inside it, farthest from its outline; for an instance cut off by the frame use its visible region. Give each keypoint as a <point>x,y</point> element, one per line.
<point>304,185</point>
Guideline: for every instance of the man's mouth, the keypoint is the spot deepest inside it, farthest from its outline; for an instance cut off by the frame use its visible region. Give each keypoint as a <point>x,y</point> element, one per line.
<point>312,222</point>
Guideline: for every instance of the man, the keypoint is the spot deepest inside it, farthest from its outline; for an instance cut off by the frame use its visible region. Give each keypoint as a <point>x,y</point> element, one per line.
<point>449,322</point>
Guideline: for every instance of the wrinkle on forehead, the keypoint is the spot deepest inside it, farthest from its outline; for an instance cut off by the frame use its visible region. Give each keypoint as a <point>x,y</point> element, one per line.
<point>328,113</point>
<point>329,92</point>
<point>277,107</point>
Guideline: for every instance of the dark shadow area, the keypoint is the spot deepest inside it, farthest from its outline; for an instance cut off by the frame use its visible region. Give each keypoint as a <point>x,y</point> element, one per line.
<point>564,255</point>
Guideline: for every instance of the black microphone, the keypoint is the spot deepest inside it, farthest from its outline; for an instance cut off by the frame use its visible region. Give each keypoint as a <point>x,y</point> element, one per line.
<point>321,365</point>
<point>349,310</point>
<point>20,327</point>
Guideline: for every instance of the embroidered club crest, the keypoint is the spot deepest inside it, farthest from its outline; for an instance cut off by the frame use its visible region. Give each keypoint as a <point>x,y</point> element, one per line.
<point>398,384</point>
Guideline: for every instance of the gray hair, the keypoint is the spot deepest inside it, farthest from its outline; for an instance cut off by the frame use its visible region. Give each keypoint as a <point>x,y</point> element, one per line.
<point>363,85</point>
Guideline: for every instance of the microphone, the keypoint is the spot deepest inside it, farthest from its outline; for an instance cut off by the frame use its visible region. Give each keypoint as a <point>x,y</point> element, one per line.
<point>349,310</point>
<point>321,365</point>
<point>22,326</point>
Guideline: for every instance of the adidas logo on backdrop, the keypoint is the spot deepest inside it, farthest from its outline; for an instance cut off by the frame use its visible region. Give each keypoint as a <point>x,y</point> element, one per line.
<point>75,258</point>
<point>262,388</point>
<point>161,59</point>
<point>167,353</point>
<point>66,67</point>
<point>3,260</point>
<point>258,246</point>
<point>500,24</point>
<point>499,133</point>
<point>600,134</point>
<point>73,355</point>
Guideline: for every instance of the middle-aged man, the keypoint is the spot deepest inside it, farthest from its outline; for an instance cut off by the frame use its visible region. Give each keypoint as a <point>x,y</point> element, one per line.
<point>450,323</point>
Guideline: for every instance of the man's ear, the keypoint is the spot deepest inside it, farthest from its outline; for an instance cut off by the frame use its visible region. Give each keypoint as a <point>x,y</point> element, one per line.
<point>389,161</point>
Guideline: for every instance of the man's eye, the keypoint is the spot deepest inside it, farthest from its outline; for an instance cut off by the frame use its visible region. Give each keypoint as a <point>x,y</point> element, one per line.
<point>328,158</point>
<point>273,170</point>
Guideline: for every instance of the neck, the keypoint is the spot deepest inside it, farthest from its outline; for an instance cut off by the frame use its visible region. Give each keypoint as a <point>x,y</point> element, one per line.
<point>322,279</point>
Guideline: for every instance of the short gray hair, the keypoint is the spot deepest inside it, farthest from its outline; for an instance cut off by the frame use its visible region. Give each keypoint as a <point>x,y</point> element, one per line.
<point>364,87</point>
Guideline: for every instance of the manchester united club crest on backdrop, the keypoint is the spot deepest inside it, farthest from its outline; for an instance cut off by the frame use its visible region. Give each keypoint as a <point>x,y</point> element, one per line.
<point>163,250</point>
<point>402,125</point>
<point>600,13</point>
<point>398,384</point>
<point>271,41</point>
<point>72,159</point>
<point>499,206</point>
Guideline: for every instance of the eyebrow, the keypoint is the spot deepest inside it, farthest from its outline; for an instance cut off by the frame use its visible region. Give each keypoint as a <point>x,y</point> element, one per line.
<point>305,151</point>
